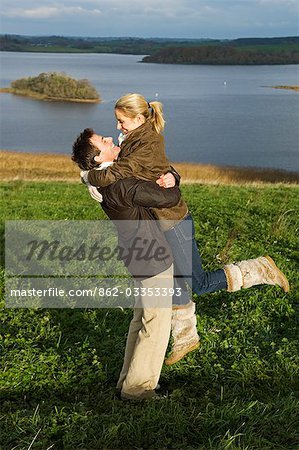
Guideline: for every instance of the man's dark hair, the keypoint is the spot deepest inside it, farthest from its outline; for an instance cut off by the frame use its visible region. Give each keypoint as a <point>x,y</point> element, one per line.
<point>83,151</point>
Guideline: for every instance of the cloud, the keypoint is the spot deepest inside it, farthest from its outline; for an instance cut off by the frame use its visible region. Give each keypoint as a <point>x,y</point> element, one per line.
<point>164,8</point>
<point>146,8</point>
<point>123,8</point>
<point>171,18</point>
<point>48,12</point>
<point>282,3</point>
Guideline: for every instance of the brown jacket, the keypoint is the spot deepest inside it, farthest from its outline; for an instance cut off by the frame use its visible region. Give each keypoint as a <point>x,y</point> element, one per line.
<point>126,204</point>
<point>142,156</point>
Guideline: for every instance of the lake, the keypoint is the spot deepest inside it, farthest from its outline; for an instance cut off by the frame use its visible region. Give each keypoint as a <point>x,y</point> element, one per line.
<point>224,115</point>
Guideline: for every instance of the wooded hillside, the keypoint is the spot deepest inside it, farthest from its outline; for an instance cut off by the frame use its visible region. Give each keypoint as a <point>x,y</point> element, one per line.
<point>212,54</point>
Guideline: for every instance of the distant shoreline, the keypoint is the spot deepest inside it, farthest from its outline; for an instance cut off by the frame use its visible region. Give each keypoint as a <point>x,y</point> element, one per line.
<point>252,51</point>
<point>57,167</point>
<point>46,98</point>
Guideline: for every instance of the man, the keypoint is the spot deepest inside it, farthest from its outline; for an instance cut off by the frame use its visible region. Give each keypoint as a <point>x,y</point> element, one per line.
<point>184,331</point>
<point>128,200</point>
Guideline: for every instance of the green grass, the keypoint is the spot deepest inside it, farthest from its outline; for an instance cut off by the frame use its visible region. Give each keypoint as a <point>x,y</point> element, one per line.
<point>238,391</point>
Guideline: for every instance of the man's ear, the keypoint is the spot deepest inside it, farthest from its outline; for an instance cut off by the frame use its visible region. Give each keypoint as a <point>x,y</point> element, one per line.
<point>97,159</point>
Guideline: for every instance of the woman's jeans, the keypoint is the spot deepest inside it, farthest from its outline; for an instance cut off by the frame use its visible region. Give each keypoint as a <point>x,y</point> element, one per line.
<point>188,268</point>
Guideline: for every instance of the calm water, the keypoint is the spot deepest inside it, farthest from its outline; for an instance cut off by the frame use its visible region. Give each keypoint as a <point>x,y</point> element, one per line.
<point>215,114</point>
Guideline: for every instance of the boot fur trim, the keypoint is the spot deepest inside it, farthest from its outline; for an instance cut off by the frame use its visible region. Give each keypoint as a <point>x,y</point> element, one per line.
<point>186,311</point>
<point>233,277</point>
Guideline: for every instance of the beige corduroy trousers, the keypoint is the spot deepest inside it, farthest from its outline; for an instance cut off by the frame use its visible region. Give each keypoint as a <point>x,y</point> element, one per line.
<point>148,336</point>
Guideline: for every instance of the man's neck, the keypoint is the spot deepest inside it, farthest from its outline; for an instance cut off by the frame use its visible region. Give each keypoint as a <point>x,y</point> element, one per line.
<point>105,164</point>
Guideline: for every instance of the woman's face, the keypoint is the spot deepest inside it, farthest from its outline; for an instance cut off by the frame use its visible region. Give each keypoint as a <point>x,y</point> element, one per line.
<point>126,124</point>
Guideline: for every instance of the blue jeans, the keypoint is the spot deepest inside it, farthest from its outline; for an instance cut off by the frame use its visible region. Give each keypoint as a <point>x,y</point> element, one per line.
<point>188,270</point>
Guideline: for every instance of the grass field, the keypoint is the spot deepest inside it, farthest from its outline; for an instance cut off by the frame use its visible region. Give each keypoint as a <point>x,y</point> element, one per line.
<point>238,391</point>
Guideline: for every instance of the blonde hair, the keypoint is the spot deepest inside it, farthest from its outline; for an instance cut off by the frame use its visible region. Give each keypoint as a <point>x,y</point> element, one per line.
<point>133,104</point>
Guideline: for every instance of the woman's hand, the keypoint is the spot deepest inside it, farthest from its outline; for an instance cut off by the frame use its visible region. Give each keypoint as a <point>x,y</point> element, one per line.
<point>166,181</point>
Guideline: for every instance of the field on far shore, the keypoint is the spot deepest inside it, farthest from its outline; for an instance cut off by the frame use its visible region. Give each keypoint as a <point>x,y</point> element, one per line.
<point>56,167</point>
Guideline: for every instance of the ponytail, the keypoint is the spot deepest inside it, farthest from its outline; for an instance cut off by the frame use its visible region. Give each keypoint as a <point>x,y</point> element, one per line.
<point>156,116</point>
<point>133,104</point>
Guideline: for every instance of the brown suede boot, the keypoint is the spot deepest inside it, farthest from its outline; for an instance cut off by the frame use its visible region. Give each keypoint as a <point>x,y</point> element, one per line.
<point>253,272</point>
<point>184,333</point>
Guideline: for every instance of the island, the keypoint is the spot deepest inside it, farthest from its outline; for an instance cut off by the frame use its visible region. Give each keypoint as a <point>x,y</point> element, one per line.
<point>54,86</point>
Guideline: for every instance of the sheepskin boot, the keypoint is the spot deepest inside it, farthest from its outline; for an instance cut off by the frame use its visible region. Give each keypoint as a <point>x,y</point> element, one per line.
<point>252,272</point>
<point>184,332</point>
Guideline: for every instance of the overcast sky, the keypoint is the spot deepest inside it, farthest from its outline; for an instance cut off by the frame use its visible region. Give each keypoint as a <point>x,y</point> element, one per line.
<point>152,18</point>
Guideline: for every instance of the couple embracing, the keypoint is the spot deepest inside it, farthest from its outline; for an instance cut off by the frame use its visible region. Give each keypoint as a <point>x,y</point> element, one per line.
<point>136,183</point>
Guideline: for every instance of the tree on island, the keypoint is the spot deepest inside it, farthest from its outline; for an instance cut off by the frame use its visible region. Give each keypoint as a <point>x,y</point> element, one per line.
<point>55,86</point>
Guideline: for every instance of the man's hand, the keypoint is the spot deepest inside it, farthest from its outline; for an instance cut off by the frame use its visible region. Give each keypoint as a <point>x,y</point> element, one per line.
<point>166,181</point>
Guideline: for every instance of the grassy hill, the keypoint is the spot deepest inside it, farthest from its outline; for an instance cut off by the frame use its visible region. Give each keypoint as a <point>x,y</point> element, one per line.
<point>238,391</point>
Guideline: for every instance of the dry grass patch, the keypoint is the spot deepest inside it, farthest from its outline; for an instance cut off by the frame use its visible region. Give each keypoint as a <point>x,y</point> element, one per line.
<point>293,88</point>
<point>37,166</point>
<point>206,173</point>
<point>55,167</point>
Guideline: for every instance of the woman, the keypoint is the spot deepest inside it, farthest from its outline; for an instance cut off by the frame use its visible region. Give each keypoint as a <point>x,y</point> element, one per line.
<point>143,156</point>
